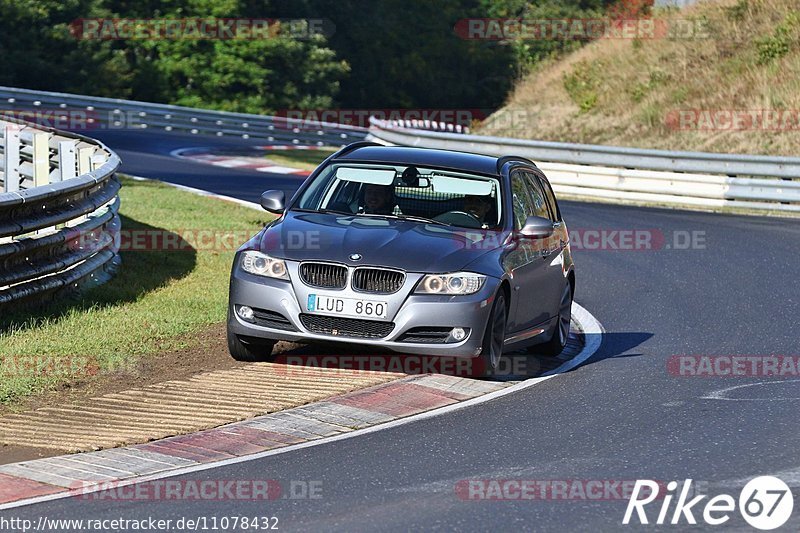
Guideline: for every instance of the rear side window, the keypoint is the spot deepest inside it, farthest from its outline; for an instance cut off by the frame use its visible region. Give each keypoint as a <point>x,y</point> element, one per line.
<point>520,199</point>
<point>539,201</point>
<point>551,198</point>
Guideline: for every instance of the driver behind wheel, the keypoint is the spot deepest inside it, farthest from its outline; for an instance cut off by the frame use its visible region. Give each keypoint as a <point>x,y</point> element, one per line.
<point>478,206</point>
<point>378,199</point>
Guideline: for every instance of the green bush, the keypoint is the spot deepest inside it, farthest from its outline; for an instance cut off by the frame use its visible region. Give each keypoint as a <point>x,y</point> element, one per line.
<point>583,83</point>
<point>778,44</point>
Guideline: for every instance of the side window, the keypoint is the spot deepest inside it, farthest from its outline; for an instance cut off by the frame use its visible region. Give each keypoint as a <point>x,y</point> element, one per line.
<point>521,199</point>
<point>551,199</point>
<point>539,202</point>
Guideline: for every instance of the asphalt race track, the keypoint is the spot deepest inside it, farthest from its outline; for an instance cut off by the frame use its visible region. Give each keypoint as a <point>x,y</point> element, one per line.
<point>621,416</point>
<point>147,154</point>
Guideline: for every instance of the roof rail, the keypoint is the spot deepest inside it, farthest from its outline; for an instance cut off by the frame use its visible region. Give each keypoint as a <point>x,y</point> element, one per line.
<point>507,158</point>
<point>353,146</point>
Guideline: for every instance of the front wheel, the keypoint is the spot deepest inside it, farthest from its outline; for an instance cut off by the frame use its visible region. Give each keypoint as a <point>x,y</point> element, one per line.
<point>495,336</point>
<point>558,341</point>
<point>247,352</point>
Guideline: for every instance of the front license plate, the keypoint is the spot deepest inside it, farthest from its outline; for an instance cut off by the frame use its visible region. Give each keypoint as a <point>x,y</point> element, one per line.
<point>328,305</point>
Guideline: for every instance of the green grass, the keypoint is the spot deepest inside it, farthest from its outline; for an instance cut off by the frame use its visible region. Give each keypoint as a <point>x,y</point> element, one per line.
<point>303,159</point>
<point>741,55</point>
<point>155,302</point>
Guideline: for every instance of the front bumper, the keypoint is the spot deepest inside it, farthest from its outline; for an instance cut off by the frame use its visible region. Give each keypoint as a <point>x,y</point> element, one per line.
<point>406,311</point>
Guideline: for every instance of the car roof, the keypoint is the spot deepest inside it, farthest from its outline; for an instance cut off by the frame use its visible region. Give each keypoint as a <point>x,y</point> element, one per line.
<point>480,164</point>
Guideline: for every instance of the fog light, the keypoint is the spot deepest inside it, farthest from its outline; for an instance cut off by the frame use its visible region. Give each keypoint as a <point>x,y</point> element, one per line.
<point>459,334</point>
<point>245,312</point>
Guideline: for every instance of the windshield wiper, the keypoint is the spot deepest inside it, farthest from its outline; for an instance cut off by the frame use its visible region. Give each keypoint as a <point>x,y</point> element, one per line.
<point>405,217</point>
<point>323,211</point>
<point>423,219</point>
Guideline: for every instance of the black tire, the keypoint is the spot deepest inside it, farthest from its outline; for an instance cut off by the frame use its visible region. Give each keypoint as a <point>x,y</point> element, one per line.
<point>494,338</point>
<point>558,341</point>
<point>249,352</point>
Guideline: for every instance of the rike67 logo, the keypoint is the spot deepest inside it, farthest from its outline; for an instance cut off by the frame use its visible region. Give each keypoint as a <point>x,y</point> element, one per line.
<point>765,503</point>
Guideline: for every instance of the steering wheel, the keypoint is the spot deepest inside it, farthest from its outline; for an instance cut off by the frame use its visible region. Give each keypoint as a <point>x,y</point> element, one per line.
<point>460,218</point>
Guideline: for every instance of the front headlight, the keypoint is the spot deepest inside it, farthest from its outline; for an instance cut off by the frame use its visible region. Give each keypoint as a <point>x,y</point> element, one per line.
<point>264,265</point>
<point>458,283</point>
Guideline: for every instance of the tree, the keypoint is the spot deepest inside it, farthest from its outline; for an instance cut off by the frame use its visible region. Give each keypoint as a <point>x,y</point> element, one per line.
<point>406,54</point>
<point>250,75</point>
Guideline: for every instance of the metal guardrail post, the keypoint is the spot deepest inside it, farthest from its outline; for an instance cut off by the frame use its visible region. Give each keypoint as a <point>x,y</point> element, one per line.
<point>11,159</point>
<point>41,159</point>
<point>85,160</point>
<point>67,160</point>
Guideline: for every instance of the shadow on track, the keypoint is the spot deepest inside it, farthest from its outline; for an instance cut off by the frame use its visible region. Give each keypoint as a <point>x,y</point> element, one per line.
<point>514,366</point>
<point>618,344</point>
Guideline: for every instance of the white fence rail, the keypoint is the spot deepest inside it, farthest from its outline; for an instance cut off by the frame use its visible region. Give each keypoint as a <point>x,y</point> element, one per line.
<point>58,213</point>
<point>629,174</point>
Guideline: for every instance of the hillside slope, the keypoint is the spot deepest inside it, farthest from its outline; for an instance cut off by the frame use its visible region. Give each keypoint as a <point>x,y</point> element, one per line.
<point>733,88</point>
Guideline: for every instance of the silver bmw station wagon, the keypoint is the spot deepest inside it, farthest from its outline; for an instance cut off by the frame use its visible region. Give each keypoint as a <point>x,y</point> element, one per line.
<point>415,250</point>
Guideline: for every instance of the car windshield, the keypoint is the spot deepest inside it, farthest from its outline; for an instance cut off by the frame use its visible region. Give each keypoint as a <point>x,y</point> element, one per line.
<point>421,195</point>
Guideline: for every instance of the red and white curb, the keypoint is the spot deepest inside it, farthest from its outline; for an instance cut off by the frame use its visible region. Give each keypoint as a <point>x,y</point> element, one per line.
<point>248,163</point>
<point>287,147</point>
<point>239,161</point>
<point>341,417</point>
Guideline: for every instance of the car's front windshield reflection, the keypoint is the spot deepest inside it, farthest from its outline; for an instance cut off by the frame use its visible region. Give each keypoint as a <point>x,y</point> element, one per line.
<point>416,194</point>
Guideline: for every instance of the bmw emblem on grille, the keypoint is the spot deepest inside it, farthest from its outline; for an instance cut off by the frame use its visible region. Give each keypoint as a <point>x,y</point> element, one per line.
<point>355,257</point>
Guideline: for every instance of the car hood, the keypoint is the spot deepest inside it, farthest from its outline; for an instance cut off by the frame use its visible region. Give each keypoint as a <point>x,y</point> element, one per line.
<point>403,244</point>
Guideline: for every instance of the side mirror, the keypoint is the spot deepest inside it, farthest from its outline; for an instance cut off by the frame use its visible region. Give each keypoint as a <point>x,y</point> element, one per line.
<point>273,201</point>
<point>537,228</point>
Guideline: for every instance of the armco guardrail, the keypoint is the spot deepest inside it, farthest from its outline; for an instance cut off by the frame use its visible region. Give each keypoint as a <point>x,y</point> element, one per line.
<point>111,113</point>
<point>58,213</point>
<point>630,174</point>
